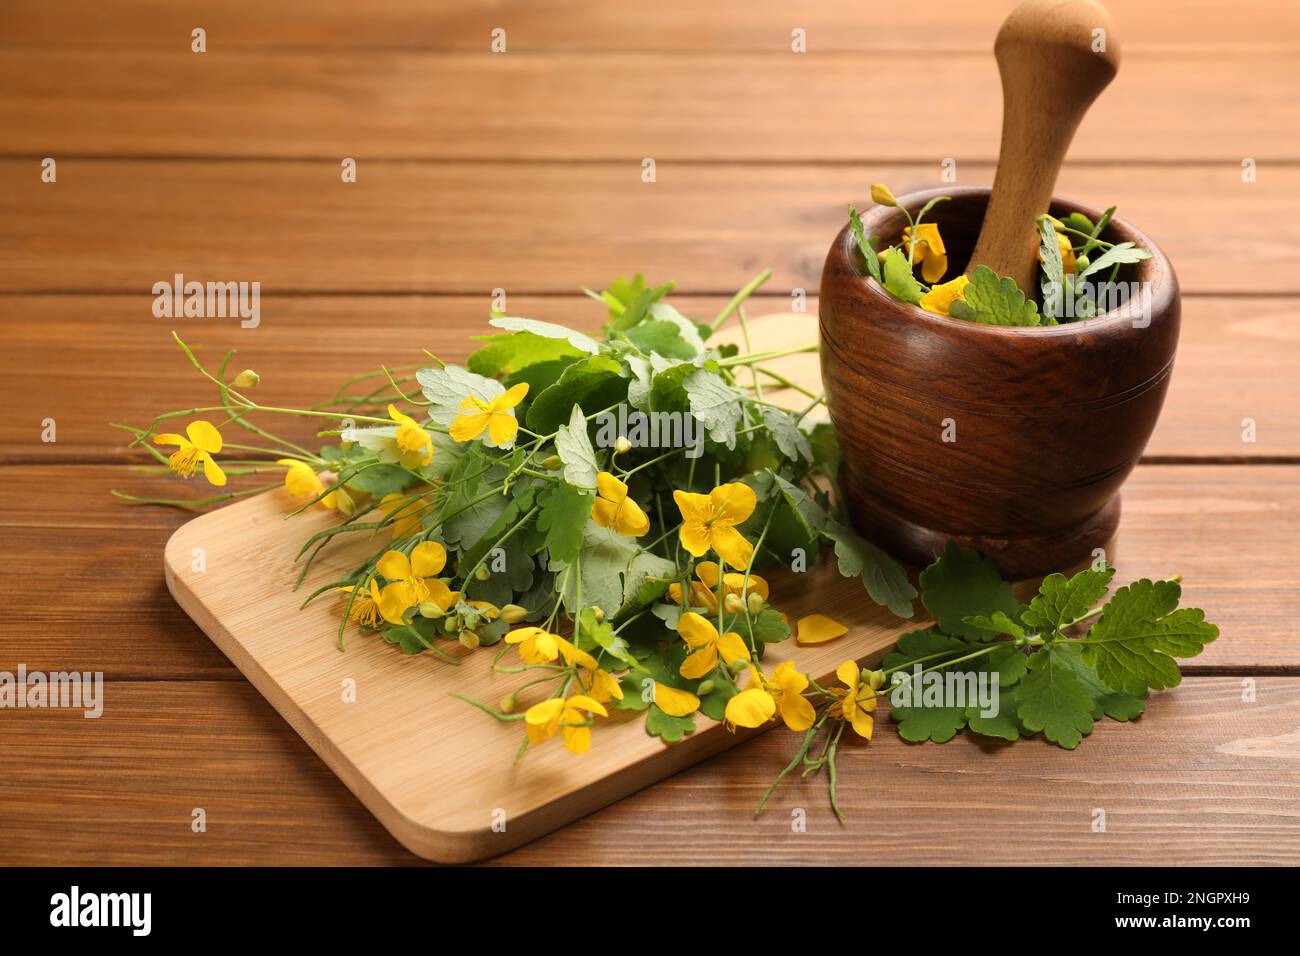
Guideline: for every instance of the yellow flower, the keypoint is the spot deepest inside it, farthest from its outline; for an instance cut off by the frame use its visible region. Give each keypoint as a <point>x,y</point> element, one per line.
<point>704,592</point>
<point>1067,252</point>
<point>600,685</point>
<point>405,511</point>
<point>496,416</point>
<point>202,443</point>
<point>415,443</point>
<point>818,629</point>
<point>766,696</point>
<point>542,721</point>
<point>365,606</point>
<point>940,298</point>
<point>674,701</point>
<point>709,521</point>
<point>857,699</point>
<point>928,251</point>
<point>614,509</point>
<point>881,194</point>
<point>411,580</point>
<point>538,646</point>
<point>702,638</point>
<point>303,482</point>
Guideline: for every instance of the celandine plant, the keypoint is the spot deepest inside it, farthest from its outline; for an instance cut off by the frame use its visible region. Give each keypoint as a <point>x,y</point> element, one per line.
<point>625,577</point>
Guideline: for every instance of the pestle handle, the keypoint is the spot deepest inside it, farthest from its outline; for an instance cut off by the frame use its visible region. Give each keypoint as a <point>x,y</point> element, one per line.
<point>1051,73</point>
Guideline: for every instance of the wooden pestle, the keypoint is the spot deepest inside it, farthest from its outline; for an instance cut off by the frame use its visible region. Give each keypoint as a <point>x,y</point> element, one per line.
<point>1051,73</point>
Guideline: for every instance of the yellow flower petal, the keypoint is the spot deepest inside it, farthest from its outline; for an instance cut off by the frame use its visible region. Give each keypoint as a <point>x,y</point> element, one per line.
<point>939,299</point>
<point>863,724</point>
<point>395,566</point>
<point>502,428</point>
<point>512,397</point>
<point>468,427</point>
<point>577,739</point>
<point>607,486</point>
<point>675,702</point>
<point>170,438</point>
<point>731,648</point>
<point>848,673</point>
<point>696,630</point>
<point>733,503</point>
<point>394,601</point>
<point>427,559</point>
<point>212,471</point>
<point>583,702</point>
<point>699,663</point>
<point>204,436</point>
<point>731,546</point>
<point>750,708</point>
<point>818,629</point>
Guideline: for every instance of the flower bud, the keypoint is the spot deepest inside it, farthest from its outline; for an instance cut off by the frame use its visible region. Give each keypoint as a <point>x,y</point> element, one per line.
<point>876,680</point>
<point>755,602</point>
<point>468,639</point>
<point>508,703</point>
<point>738,665</point>
<point>513,613</point>
<point>431,610</point>
<point>553,463</point>
<point>706,687</point>
<point>1082,262</point>
<point>880,193</point>
<point>246,379</point>
<point>598,612</point>
<point>733,604</point>
<point>482,573</point>
<point>622,446</point>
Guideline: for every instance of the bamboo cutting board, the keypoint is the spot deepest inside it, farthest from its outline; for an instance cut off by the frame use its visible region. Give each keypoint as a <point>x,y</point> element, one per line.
<point>438,773</point>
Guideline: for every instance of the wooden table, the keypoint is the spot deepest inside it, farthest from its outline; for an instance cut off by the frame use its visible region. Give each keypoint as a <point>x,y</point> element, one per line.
<point>523,171</point>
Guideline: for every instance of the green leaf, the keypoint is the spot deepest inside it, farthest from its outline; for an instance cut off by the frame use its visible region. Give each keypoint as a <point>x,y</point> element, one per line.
<point>549,330</point>
<point>715,404</point>
<point>714,704</point>
<point>562,518</point>
<point>1049,252</point>
<point>595,383</point>
<point>511,352</point>
<point>883,577</point>
<point>997,623</point>
<point>1116,255</point>
<point>963,584</point>
<point>937,724</point>
<point>669,729</point>
<point>1054,700</point>
<point>447,387</point>
<point>1133,646</point>
<point>787,434</point>
<point>573,445</point>
<point>1061,601</point>
<point>915,645</point>
<point>899,280</point>
<point>1114,704</point>
<point>616,574</point>
<point>379,480</point>
<point>663,338</point>
<point>1004,724</point>
<point>865,245</point>
<point>995,300</point>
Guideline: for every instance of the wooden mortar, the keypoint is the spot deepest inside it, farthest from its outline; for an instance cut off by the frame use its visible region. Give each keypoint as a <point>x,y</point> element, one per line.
<point>1048,420</point>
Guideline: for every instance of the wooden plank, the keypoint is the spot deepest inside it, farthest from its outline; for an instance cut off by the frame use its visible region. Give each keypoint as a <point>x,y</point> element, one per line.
<point>121,226</point>
<point>621,107</point>
<point>1234,362</point>
<point>1203,779</point>
<point>1230,530</point>
<point>543,25</point>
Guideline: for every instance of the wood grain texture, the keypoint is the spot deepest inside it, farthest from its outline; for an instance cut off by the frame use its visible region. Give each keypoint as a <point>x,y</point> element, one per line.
<point>1235,361</point>
<point>678,26</point>
<point>121,226</point>
<point>1203,779</point>
<point>721,107</point>
<point>1051,71</point>
<point>1228,529</point>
